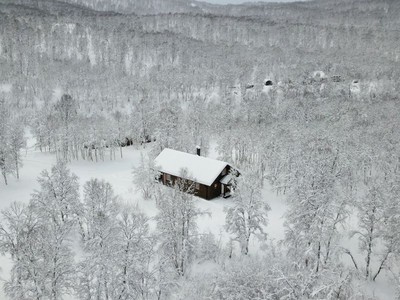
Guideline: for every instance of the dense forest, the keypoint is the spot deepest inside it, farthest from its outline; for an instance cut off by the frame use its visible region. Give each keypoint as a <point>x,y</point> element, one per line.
<point>303,96</point>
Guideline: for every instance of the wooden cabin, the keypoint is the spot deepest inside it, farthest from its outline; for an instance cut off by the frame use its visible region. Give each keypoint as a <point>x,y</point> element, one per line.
<point>211,178</point>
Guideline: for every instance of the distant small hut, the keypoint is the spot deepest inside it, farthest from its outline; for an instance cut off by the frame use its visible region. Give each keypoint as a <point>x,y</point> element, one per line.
<point>355,87</point>
<point>337,78</point>
<point>319,76</point>
<point>211,178</point>
<point>268,83</point>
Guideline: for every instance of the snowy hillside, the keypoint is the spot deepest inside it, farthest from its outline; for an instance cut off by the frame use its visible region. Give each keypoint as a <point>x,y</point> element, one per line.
<point>143,7</point>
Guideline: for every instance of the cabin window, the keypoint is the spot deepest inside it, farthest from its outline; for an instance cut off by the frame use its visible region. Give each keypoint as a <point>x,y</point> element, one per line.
<point>197,186</point>
<point>223,172</point>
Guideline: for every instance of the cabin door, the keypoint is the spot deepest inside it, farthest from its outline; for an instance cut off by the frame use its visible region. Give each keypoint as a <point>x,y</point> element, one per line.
<point>222,190</point>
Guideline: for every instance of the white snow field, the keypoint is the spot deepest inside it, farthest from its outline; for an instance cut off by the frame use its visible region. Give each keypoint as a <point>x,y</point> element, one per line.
<point>119,173</point>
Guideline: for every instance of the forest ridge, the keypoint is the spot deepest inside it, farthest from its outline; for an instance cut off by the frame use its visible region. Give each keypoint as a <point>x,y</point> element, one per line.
<point>302,98</point>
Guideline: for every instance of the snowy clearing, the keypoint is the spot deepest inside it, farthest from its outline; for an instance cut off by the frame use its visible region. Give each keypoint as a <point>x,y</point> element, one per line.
<point>119,173</point>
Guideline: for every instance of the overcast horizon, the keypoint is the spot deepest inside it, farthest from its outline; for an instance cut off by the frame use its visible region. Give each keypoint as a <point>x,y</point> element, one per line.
<point>244,1</point>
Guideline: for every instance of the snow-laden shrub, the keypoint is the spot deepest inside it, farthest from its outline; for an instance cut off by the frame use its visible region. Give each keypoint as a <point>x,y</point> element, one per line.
<point>209,249</point>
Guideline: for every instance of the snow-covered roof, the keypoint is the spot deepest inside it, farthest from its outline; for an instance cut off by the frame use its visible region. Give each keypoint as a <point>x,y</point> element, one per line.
<point>200,169</point>
<point>226,179</point>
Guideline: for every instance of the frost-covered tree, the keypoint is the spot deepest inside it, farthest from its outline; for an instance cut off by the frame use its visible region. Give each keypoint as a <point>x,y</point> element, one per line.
<point>247,217</point>
<point>37,237</point>
<point>209,248</point>
<point>196,120</point>
<point>170,128</point>
<point>22,237</point>
<point>145,177</point>
<point>98,229</point>
<point>6,159</point>
<point>378,220</point>
<point>249,277</point>
<point>11,140</point>
<point>58,206</point>
<point>121,129</point>
<point>135,257</point>
<point>45,128</point>
<point>371,218</point>
<point>66,110</point>
<point>58,195</point>
<point>118,248</point>
<point>100,209</point>
<point>317,204</point>
<point>335,282</point>
<point>143,118</point>
<point>176,223</point>
<point>16,143</point>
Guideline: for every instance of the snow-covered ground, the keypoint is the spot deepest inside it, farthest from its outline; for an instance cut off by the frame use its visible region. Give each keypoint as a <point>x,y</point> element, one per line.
<point>119,173</point>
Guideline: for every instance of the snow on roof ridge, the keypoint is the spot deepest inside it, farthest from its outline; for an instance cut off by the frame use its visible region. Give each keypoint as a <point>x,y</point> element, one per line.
<point>200,169</point>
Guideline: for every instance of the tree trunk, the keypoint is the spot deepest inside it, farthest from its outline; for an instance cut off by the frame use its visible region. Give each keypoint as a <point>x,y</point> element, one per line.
<point>4,176</point>
<point>318,257</point>
<point>17,168</point>
<point>381,265</point>
<point>369,252</point>
<point>246,246</point>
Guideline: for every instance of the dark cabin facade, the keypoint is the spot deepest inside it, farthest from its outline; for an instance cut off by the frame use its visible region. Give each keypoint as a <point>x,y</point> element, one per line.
<point>210,178</point>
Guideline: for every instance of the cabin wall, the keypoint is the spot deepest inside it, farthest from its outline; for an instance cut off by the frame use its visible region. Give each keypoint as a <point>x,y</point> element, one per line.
<point>203,191</point>
<point>214,190</point>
